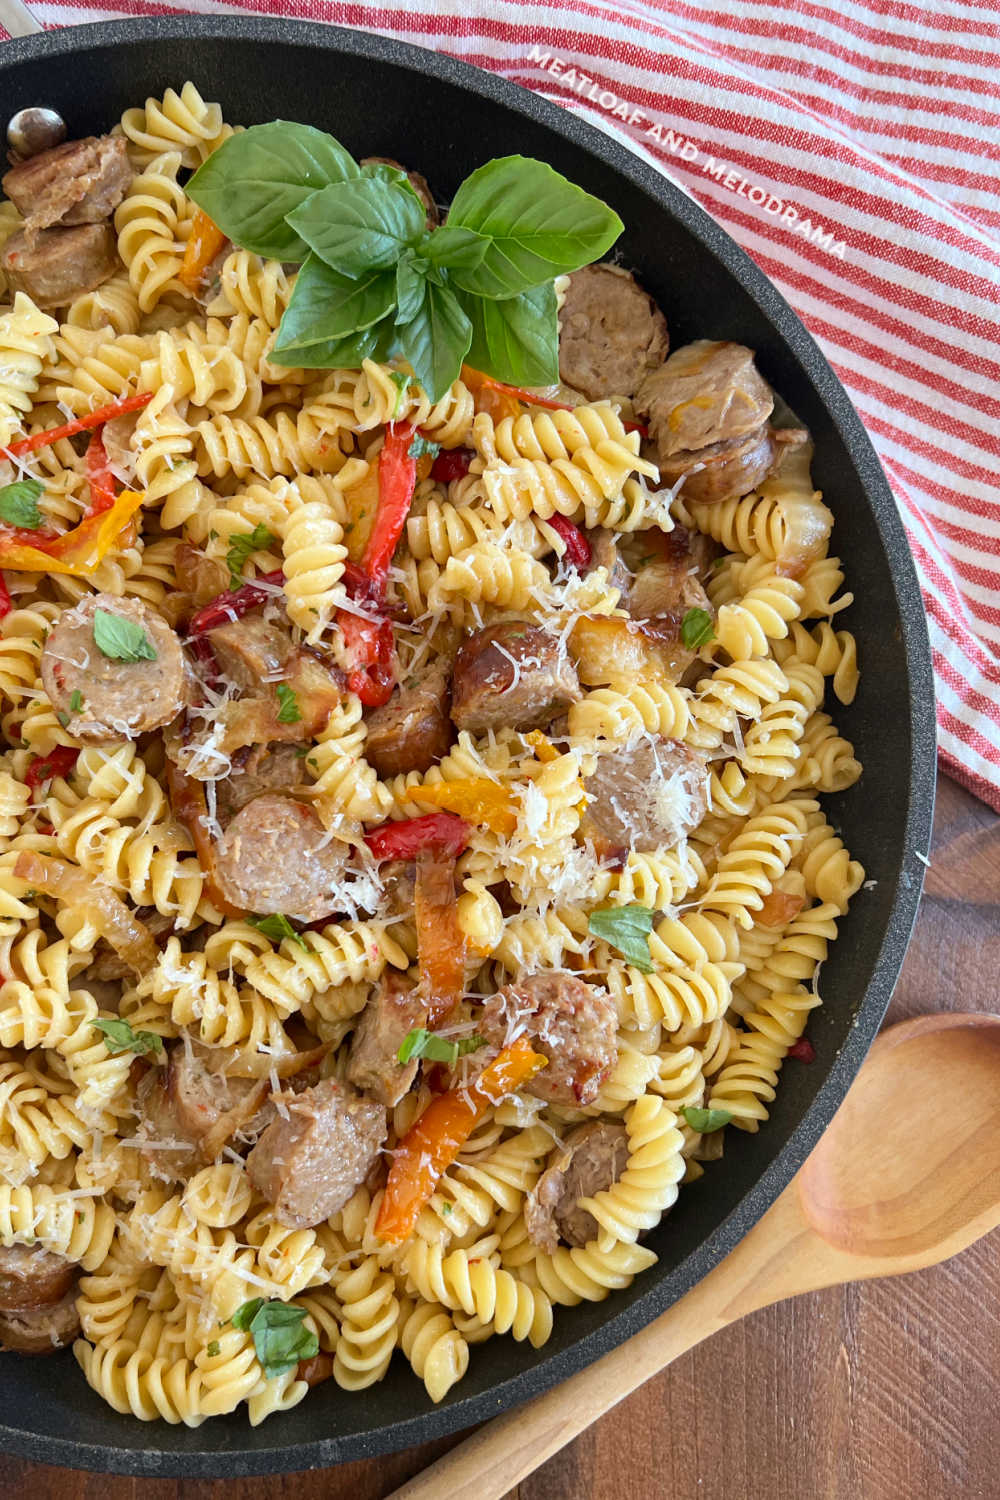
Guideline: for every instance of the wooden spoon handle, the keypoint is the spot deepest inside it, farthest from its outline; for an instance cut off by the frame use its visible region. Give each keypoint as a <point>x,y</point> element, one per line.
<point>511,1447</point>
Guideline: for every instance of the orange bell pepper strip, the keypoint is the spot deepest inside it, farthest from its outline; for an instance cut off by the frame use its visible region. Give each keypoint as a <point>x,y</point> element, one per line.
<point>434,1140</point>
<point>440,943</point>
<point>204,244</point>
<point>476,799</point>
<point>502,400</point>
<point>78,551</point>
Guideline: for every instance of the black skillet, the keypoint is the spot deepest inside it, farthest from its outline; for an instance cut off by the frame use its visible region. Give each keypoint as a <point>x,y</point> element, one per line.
<point>382,97</point>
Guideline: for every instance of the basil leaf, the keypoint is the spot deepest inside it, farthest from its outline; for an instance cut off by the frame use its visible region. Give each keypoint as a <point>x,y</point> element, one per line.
<point>19,504</point>
<point>419,446</point>
<point>120,639</point>
<point>289,711</point>
<point>697,628</point>
<point>279,1338</point>
<point>75,701</point>
<point>516,340</point>
<point>277,927</point>
<point>409,289</point>
<point>242,547</point>
<point>402,383</point>
<point>256,178</point>
<point>362,226</point>
<point>626,928</point>
<point>456,248</point>
<point>436,341</point>
<point>214,1348</point>
<point>421,1043</point>
<point>326,306</point>
<point>539,225</point>
<point>706,1120</point>
<point>119,1037</point>
<point>345,353</point>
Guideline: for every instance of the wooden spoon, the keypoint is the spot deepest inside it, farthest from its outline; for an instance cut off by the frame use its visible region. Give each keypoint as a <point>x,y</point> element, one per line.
<point>907,1174</point>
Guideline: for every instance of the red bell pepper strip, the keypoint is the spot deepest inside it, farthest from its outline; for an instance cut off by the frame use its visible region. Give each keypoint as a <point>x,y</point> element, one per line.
<point>368,644</point>
<point>578,553</point>
<point>6,604</point>
<point>77,551</point>
<point>397,478</point>
<point>452,463</point>
<point>46,767</point>
<point>233,604</point>
<point>434,1140</point>
<point>204,243</point>
<point>438,831</point>
<point>99,476</point>
<point>81,424</point>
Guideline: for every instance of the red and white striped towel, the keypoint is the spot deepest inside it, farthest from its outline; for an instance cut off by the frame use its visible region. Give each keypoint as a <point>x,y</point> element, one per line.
<point>853,148</point>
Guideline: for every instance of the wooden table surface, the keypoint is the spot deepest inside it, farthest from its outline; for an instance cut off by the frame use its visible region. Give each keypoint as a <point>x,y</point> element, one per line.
<point>880,1391</point>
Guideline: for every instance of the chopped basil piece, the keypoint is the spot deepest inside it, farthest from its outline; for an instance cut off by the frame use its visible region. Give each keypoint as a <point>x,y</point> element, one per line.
<point>279,1338</point>
<point>626,928</point>
<point>75,701</point>
<point>421,1043</point>
<point>706,1120</point>
<point>119,1037</point>
<point>277,927</point>
<point>288,711</point>
<point>697,629</point>
<point>19,504</point>
<point>242,546</point>
<point>214,1348</point>
<point>63,718</point>
<point>401,382</point>
<point>120,639</point>
<point>421,445</point>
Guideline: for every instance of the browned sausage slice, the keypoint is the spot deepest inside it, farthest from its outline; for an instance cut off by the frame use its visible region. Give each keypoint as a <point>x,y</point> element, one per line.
<point>592,1158</point>
<point>181,1106</point>
<point>391,1014</point>
<point>514,674</point>
<point>41,1330</point>
<point>268,768</point>
<point>309,1164</point>
<point>705,393</point>
<point>644,796</point>
<point>573,1024</point>
<point>412,731</point>
<point>117,699</point>
<point>250,651</point>
<point>78,182</point>
<point>276,856</point>
<point>61,263</point>
<point>33,1277</point>
<point>723,471</point>
<point>611,333</point>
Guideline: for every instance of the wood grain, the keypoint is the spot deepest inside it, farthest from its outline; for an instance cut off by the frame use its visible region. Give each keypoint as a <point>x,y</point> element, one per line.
<point>879,1391</point>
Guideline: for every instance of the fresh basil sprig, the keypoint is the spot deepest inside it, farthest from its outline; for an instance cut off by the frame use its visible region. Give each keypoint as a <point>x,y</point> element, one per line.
<point>19,504</point>
<point>422,1043</point>
<point>377,283</point>
<point>706,1120</point>
<point>280,1339</point>
<point>119,1037</point>
<point>626,928</point>
<point>277,927</point>
<point>120,639</point>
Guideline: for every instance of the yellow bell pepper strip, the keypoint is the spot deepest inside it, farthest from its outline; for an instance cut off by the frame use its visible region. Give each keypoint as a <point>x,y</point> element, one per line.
<point>542,745</point>
<point>477,799</point>
<point>440,943</point>
<point>434,1140</point>
<point>204,243</point>
<point>79,424</point>
<point>78,551</point>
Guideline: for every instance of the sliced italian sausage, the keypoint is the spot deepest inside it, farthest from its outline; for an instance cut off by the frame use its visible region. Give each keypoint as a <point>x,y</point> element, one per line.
<point>61,263</point>
<point>267,768</point>
<point>250,651</point>
<point>572,1023</point>
<point>515,674</point>
<point>611,333</point>
<point>77,182</point>
<point>644,796</point>
<point>413,730</point>
<point>592,1159</point>
<point>104,697</point>
<point>417,182</point>
<point>276,856</point>
<point>394,1010</point>
<point>723,471</point>
<point>33,1277</point>
<point>310,1159</point>
<point>667,579</point>
<point>705,393</point>
<point>180,1108</point>
<point>41,1330</point>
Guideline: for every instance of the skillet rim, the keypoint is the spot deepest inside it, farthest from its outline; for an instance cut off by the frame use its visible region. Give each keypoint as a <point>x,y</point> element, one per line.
<point>154,1461</point>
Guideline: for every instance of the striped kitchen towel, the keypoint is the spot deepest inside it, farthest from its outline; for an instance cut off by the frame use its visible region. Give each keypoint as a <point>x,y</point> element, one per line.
<point>852,147</point>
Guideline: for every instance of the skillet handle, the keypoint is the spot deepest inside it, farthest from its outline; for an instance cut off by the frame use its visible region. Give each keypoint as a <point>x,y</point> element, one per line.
<point>505,1451</point>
